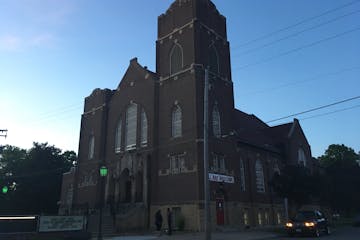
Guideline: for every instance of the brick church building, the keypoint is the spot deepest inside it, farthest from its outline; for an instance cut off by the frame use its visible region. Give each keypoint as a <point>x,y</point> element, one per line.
<point>149,133</point>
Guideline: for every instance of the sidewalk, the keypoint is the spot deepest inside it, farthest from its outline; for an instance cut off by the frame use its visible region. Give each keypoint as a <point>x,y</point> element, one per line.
<point>248,235</point>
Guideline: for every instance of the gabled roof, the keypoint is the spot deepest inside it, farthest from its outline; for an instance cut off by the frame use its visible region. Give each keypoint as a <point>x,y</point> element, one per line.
<point>246,121</point>
<point>279,132</point>
<point>136,69</point>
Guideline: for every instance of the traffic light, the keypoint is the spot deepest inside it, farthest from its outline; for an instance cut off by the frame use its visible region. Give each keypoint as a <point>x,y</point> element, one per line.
<point>5,189</point>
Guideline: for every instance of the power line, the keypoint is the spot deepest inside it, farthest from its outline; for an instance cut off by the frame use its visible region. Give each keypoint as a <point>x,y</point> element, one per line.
<point>295,34</point>
<point>328,113</point>
<point>315,109</point>
<point>296,24</point>
<point>298,48</point>
<point>329,74</point>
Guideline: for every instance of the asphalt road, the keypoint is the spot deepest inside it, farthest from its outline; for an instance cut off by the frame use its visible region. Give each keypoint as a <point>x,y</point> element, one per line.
<point>345,233</point>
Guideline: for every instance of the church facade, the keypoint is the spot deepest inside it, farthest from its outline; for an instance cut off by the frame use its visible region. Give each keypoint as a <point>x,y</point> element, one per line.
<point>149,133</point>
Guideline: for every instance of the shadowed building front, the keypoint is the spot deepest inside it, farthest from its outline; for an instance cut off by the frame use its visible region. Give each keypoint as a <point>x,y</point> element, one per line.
<point>149,133</point>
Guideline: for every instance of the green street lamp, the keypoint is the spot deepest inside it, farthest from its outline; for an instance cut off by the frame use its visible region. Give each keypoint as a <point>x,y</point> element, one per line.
<point>103,171</point>
<point>5,189</point>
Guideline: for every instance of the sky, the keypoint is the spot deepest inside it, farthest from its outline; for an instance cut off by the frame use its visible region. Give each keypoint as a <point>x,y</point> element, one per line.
<point>287,57</point>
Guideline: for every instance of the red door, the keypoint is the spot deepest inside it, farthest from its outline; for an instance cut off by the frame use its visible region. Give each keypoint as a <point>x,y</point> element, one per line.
<point>220,211</point>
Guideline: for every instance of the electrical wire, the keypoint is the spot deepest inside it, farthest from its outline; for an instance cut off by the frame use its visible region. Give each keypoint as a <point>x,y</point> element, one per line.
<point>296,24</point>
<point>329,113</point>
<point>295,34</point>
<point>298,49</point>
<point>315,109</point>
<point>316,77</point>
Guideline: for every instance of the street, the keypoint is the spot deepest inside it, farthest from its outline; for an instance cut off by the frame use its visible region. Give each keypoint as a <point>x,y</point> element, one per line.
<point>344,233</point>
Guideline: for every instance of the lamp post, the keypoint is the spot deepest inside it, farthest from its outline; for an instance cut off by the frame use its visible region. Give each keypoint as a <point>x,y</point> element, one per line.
<point>103,173</point>
<point>206,160</point>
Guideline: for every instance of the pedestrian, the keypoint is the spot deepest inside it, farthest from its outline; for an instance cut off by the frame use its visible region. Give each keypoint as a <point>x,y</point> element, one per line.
<point>169,220</point>
<point>158,220</point>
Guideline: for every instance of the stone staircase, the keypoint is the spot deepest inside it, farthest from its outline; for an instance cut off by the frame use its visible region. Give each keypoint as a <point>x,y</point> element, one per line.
<point>130,217</point>
<point>107,228</point>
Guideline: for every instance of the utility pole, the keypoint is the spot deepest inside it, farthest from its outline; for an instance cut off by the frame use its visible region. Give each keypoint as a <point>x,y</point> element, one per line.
<point>3,133</point>
<point>207,221</point>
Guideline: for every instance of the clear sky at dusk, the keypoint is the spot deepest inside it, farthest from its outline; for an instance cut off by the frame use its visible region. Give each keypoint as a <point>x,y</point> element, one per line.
<point>287,57</point>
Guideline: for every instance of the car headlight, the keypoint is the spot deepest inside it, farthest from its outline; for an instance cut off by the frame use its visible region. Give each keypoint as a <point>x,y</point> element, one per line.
<point>309,224</point>
<point>289,225</point>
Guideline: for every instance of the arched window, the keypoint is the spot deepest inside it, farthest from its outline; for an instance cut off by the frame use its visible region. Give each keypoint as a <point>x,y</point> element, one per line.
<point>259,173</point>
<point>144,128</point>
<point>242,176</point>
<point>91,146</point>
<point>301,157</point>
<point>216,122</point>
<point>130,126</point>
<point>118,137</point>
<point>176,122</point>
<point>213,59</point>
<point>176,59</point>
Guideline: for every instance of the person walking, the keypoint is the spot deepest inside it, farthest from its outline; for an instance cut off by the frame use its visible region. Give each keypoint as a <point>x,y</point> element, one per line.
<point>158,220</point>
<point>169,220</point>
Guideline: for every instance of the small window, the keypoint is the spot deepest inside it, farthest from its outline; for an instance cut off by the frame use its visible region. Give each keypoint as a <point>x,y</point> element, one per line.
<point>242,176</point>
<point>259,173</point>
<point>177,163</point>
<point>301,157</point>
<point>276,169</point>
<point>118,137</point>
<point>278,218</point>
<point>130,127</point>
<point>246,217</point>
<point>260,219</point>
<point>91,147</point>
<point>216,122</point>
<point>176,127</point>
<point>176,59</point>
<point>218,163</point>
<point>144,128</point>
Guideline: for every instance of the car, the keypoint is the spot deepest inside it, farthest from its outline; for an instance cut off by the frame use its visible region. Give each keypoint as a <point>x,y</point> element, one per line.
<point>308,223</point>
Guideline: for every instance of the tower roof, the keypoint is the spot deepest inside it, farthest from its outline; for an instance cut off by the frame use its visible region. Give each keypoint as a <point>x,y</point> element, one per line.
<point>182,12</point>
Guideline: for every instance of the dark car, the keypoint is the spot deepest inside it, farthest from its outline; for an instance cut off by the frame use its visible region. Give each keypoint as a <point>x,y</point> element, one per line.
<point>308,223</point>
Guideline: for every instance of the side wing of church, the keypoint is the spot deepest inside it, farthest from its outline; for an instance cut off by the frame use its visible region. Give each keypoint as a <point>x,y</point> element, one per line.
<point>149,134</point>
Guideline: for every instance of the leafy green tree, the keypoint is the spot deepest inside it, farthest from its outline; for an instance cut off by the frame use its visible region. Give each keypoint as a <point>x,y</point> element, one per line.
<point>341,178</point>
<point>338,156</point>
<point>34,178</point>
<point>296,184</point>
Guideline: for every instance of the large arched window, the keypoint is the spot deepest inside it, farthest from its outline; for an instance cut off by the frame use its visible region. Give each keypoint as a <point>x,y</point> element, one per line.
<point>216,122</point>
<point>176,122</point>
<point>118,137</point>
<point>213,59</point>
<point>144,128</point>
<point>91,147</point>
<point>130,126</point>
<point>242,176</point>
<point>259,173</point>
<point>176,59</point>
<point>301,157</point>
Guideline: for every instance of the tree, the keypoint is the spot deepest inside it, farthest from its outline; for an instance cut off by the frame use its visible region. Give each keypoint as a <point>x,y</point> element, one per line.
<point>296,184</point>
<point>341,178</point>
<point>35,176</point>
<point>338,156</point>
